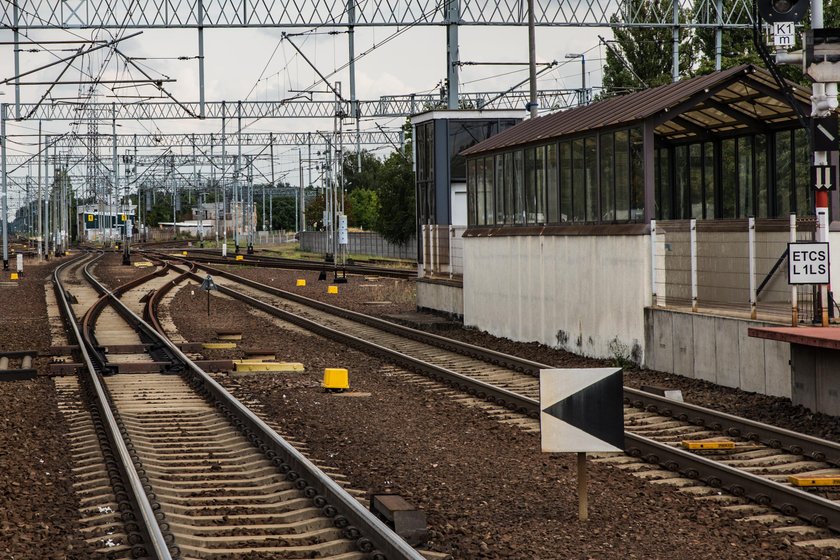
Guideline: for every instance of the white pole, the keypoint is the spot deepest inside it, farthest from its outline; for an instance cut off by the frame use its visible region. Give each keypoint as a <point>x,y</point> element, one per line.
<point>751,241</point>
<point>653,262</point>
<point>451,259</point>
<point>693,238</point>
<point>794,304</point>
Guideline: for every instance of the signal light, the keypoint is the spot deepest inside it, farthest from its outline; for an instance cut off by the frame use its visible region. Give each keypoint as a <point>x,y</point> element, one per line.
<point>778,11</point>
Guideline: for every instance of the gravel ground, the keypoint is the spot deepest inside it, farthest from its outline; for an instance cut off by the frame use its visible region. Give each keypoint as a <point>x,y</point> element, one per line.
<point>487,490</point>
<point>39,515</point>
<point>772,410</point>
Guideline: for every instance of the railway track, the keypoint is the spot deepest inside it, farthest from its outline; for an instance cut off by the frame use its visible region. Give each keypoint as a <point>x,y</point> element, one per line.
<point>213,256</point>
<point>200,476</point>
<point>756,468</point>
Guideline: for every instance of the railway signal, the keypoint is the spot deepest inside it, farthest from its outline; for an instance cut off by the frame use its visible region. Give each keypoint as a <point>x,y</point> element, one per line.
<point>208,285</point>
<point>782,11</point>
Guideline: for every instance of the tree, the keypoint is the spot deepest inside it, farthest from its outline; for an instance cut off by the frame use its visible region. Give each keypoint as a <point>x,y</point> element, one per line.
<point>642,58</point>
<point>364,178</point>
<point>363,208</point>
<point>397,221</point>
<point>737,46</point>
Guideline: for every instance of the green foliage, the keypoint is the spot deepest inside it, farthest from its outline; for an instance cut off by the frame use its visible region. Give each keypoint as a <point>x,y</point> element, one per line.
<point>363,208</point>
<point>396,196</point>
<point>367,177</point>
<point>648,52</point>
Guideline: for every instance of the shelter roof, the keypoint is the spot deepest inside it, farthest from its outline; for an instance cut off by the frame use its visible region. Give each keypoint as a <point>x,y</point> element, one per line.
<point>739,99</point>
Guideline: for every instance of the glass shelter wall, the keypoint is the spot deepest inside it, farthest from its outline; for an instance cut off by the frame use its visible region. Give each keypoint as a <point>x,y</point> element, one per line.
<point>595,178</point>
<point>761,175</point>
<point>599,178</point>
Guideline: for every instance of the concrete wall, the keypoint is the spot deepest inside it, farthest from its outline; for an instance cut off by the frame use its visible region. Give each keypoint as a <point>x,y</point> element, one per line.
<point>444,297</point>
<point>582,293</point>
<point>716,349</point>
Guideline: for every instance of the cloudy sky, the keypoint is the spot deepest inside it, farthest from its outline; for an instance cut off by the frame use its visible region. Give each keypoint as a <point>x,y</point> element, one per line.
<point>256,64</point>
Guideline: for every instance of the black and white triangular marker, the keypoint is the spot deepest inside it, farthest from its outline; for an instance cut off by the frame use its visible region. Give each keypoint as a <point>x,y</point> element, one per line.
<point>582,410</point>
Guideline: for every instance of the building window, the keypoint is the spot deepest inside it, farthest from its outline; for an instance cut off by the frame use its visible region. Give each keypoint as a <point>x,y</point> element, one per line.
<point>530,187</point>
<point>552,188</point>
<point>500,189</point>
<point>709,180</point>
<point>472,207</point>
<point>637,174</point>
<point>539,186</point>
<point>565,181</point>
<point>622,176</point>
<point>802,170</point>
<point>510,194</point>
<point>518,190</point>
<point>578,184</point>
<point>489,191</point>
<point>590,150</point>
<point>607,165</point>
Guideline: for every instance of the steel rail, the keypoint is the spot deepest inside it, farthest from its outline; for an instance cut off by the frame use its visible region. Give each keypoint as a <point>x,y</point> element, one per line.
<point>300,264</point>
<point>466,349</point>
<point>500,396</point>
<point>359,524</point>
<point>152,533</point>
<point>773,436</point>
<point>816,510</point>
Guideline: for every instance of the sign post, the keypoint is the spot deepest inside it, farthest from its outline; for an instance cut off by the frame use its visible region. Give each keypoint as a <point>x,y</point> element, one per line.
<point>582,411</point>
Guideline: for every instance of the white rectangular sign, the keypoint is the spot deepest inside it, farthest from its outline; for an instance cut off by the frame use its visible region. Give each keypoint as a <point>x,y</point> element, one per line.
<point>783,34</point>
<point>808,263</point>
<point>343,237</point>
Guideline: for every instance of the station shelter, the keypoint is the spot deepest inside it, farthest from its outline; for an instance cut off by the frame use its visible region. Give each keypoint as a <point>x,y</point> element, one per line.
<point>650,227</point>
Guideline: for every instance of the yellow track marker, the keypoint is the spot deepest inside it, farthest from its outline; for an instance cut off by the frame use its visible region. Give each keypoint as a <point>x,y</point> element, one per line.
<point>336,379</point>
<point>256,365</point>
<point>332,289</point>
<point>301,282</point>
<point>239,257</point>
<point>218,345</point>
<point>820,480</point>
<point>697,445</point>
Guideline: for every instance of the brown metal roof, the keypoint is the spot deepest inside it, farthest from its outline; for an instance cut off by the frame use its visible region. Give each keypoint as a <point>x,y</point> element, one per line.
<point>742,97</point>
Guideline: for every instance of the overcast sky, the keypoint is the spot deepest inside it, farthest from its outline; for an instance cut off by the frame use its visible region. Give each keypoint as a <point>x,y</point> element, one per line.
<point>413,62</point>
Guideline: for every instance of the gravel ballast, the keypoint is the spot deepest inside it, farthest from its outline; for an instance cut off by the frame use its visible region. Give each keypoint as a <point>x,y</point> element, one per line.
<point>39,511</point>
<point>487,489</point>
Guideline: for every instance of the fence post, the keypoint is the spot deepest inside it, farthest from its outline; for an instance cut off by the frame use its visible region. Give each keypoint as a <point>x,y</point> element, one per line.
<point>451,259</point>
<point>653,262</point>
<point>432,255</point>
<point>751,242</point>
<point>423,250</point>
<point>794,303</point>
<point>693,242</point>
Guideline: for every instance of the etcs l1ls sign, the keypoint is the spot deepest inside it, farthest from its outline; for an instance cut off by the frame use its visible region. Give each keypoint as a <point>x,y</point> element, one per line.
<point>808,263</point>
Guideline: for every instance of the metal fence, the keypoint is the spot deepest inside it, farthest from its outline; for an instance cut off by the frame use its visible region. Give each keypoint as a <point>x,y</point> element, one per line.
<point>360,243</point>
<point>729,265</point>
<point>443,251</point>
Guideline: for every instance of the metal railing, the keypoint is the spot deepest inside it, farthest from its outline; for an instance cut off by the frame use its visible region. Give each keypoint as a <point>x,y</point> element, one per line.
<point>443,251</point>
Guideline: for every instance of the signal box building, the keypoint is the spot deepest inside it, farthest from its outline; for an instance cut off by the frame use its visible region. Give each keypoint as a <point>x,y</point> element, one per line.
<point>102,222</point>
<point>441,195</point>
<point>650,227</point>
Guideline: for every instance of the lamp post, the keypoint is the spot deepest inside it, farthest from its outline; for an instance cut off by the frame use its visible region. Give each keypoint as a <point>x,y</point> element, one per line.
<point>582,57</point>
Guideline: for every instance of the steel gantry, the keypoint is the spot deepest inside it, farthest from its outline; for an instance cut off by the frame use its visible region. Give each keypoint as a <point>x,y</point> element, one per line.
<point>214,14</point>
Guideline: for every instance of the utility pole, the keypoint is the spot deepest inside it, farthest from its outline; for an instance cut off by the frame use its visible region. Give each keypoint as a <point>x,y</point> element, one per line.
<point>533,104</point>
<point>5,195</point>
<point>38,205</point>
